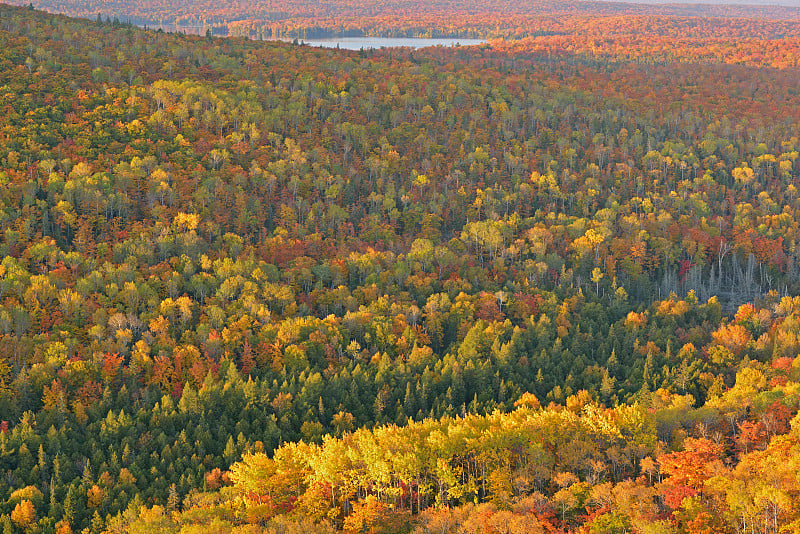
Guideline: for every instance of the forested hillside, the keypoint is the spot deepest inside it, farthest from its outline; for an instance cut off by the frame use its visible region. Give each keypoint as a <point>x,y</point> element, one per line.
<point>413,18</point>
<point>272,287</point>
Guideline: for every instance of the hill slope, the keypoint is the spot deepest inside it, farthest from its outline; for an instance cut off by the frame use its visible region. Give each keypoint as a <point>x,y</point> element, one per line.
<point>214,247</point>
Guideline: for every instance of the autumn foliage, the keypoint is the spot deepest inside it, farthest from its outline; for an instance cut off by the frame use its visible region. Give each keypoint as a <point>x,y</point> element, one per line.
<point>545,284</point>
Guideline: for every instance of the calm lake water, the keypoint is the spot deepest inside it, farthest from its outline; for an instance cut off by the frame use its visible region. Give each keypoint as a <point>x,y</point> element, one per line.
<point>357,43</point>
<point>346,43</point>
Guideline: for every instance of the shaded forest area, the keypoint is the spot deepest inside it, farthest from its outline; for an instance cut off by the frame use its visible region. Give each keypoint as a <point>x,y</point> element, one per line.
<point>229,265</point>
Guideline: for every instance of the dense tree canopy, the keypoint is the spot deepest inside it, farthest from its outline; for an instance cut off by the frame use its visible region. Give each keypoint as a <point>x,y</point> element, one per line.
<point>274,287</point>
<point>432,18</point>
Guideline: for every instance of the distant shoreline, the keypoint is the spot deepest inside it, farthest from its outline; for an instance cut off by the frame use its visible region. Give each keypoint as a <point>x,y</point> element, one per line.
<point>344,42</point>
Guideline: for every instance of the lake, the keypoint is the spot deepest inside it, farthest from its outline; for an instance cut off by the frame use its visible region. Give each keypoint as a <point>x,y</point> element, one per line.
<point>346,43</point>
<point>357,43</point>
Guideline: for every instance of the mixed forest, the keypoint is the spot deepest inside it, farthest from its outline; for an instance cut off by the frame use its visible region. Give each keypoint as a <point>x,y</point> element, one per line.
<point>549,284</point>
<point>267,19</point>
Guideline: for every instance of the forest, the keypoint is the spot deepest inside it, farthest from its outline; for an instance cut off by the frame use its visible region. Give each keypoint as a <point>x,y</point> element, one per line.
<point>548,284</point>
<point>267,19</point>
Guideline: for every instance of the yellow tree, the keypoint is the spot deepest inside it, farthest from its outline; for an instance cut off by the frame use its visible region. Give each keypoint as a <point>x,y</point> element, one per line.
<point>763,491</point>
<point>24,514</point>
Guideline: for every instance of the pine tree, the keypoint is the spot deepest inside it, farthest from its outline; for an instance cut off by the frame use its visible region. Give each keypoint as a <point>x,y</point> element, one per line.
<point>87,473</point>
<point>97,523</point>
<point>173,500</point>
<point>409,402</point>
<point>230,451</point>
<point>53,499</point>
<point>69,506</point>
